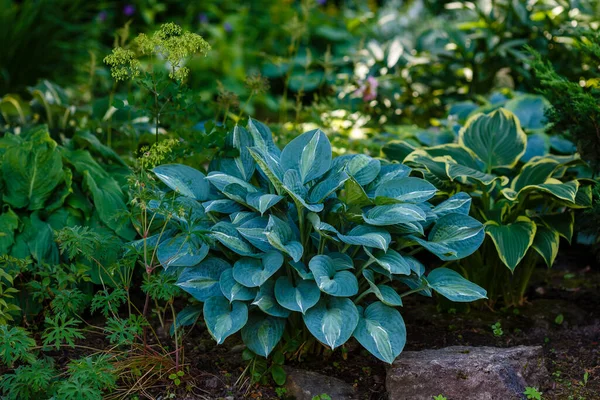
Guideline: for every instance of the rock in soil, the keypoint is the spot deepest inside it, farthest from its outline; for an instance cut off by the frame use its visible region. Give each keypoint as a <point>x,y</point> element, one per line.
<point>304,385</point>
<point>466,373</point>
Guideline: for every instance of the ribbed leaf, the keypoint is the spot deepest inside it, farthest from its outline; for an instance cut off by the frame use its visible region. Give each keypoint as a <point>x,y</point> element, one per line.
<point>202,281</point>
<point>381,331</point>
<point>513,240</point>
<point>299,297</point>
<point>329,280</point>
<point>222,318</point>
<point>332,321</point>
<point>183,179</point>
<point>262,333</point>
<point>546,243</point>
<point>454,287</point>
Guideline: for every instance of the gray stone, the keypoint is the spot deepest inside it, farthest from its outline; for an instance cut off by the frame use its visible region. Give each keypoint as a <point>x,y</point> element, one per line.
<point>304,385</point>
<point>466,373</point>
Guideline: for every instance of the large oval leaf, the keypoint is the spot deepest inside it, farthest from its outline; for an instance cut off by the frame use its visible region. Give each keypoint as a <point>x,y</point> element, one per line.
<point>392,214</point>
<point>386,294</point>
<point>363,169</point>
<point>299,297</point>
<point>222,318</point>
<point>181,251</point>
<point>332,321</point>
<point>202,281</point>
<point>335,283</point>
<point>369,236</point>
<point>183,179</point>
<point>459,203</point>
<point>281,236</point>
<point>228,236</point>
<point>262,333</point>
<point>252,272</point>
<point>546,243</point>
<point>234,290</point>
<point>381,331</point>
<point>309,154</point>
<point>496,138</point>
<point>266,301</point>
<point>407,190</point>
<point>512,240</point>
<point>453,286</point>
<point>392,261</point>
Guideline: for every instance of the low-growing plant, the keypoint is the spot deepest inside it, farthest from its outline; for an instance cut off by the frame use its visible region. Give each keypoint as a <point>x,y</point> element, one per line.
<point>526,206</point>
<point>293,239</point>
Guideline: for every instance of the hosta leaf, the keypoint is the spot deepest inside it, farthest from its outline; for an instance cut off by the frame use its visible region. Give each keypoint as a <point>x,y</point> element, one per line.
<point>454,171</point>
<point>392,261</point>
<point>222,318</point>
<point>269,164</point>
<point>186,317</point>
<point>546,243</point>
<point>454,236</point>
<point>331,183</point>
<point>534,173</point>
<point>202,281</point>
<point>293,186</point>
<point>387,173</point>
<point>564,191</point>
<point>496,138</point>
<point>181,251</point>
<point>221,181</point>
<point>262,202</point>
<point>354,194</point>
<point>183,179</point>
<point>453,286</point>
<point>241,140</point>
<point>234,290</point>
<point>341,261</point>
<point>266,301</point>
<point>254,231</point>
<point>363,169</point>
<point>512,240</point>
<point>262,333</point>
<point>32,170</point>
<point>459,203</point>
<point>529,109</point>
<point>299,297</point>
<point>332,320</point>
<point>406,190</point>
<point>381,331</point>
<point>262,136</point>
<point>369,236</point>
<point>562,223</point>
<point>280,235</point>
<point>386,294</point>
<point>415,282</point>
<point>397,150</point>
<point>9,222</point>
<point>329,280</point>
<point>253,272</point>
<point>538,145</point>
<point>229,237</point>
<point>392,214</point>
<point>224,206</point>
<point>309,154</point>
<point>322,228</point>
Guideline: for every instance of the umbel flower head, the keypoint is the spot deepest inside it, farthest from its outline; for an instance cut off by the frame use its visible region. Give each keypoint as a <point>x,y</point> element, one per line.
<point>170,42</point>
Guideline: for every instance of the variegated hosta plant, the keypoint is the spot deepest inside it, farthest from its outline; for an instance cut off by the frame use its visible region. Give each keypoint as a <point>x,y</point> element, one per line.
<point>274,240</point>
<point>526,206</point>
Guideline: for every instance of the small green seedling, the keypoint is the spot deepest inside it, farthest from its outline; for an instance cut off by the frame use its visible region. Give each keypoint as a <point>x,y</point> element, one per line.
<point>176,377</point>
<point>439,397</point>
<point>497,329</point>
<point>559,319</point>
<point>532,393</point>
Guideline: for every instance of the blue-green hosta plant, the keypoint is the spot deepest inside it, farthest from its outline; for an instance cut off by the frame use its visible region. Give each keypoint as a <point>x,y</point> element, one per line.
<point>295,239</point>
<point>526,206</point>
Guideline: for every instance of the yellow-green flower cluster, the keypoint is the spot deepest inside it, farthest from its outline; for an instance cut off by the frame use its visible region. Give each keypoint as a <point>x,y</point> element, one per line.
<point>123,64</point>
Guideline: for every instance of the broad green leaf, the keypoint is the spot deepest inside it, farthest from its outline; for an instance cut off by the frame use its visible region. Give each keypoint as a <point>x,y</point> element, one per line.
<point>459,203</point>
<point>354,195</point>
<point>262,333</point>
<point>562,223</point>
<point>270,166</point>
<point>529,109</point>
<point>363,169</point>
<point>262,202</point>
<point>39,238</point>
<point>31,170</point>
<point>186,317</point>
<point>563,191</point>
<point>293,186</point>
<point>397,150</point>
<point>341,261</point>
<point>280,235</point>
<point>453,286</point>
<point>329,280</point>
<point>496,138</point>
<point>241,140</point>
<point>455,171</point>
<point>406,190</point>
<point>512,240</point>
<point>381,331</point>
<point>369,236</point>
<point>266,301</point>
<point>9,222</point>
<point>538,145</point>
<point>222,318</point>
<point>388,172</point>
<point>181,251</point>
<point>224,206</point>
<point>332,320</point>
<point>386,294</point>
<point>300,297</point>
<point>454,236</point>
<point>221,181</point>
<point>262,136</point>
<point>202,281</point>
<point>254,231</point>
<point>228,236</point>
<point>323,228</point>
<point>234,290</point>
<point>392,261</point>
<point>546,243</point>
<point>253,272</point>
<point>393,214</point>
<point>309,154</point>
<point>331,183</point>
<point>185,180</point>
<point>534,172</point>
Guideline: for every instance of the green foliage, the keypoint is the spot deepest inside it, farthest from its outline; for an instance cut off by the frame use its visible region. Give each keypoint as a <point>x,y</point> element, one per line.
<point>7,292</point>
<point>532,393</point>
<point>61,331</point>
<point>15,345</point>
<point>29,382</point>
<point>108,302</point>
<point>526,206</point>
<point>497,329</point>
<point>439,397</point>
<point>300,234</point>
<point>122,332</point>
